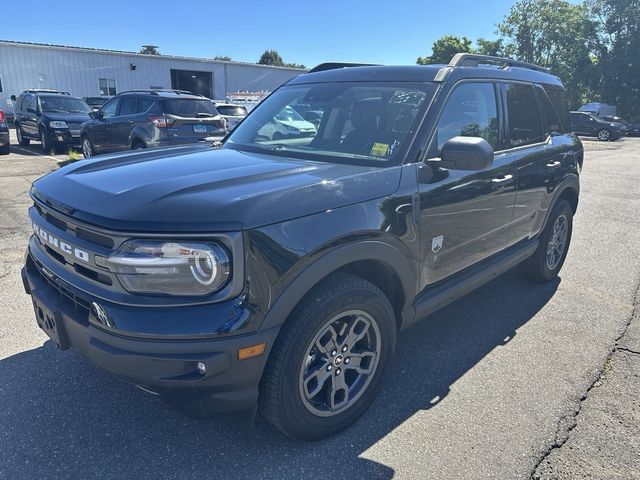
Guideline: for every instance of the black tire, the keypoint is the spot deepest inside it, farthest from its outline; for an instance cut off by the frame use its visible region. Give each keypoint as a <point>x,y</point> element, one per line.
<point>538,267</point>
<point>22,141</point>
<point>138,145</point>
<point>88,150</point>
<point>604,135</point>
<point>45,143</point>
<point>282,400</point>
<point>6,150</point>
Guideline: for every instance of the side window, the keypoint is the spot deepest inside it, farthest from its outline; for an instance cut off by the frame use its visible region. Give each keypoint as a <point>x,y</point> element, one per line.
<point>144,104</point>
<point>110,108</point>
<point>30,102</point>
<point>470,111</point>
<point>128,105</point>
<point>525,125</point>
<point>551,120</point>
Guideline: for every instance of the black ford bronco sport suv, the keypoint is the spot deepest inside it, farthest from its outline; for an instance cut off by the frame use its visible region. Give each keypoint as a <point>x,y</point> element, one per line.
<point>277,273</point>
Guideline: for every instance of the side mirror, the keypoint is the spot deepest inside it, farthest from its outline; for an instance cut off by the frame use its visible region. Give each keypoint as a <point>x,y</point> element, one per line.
<point>14,98</point>
<point>96,114</point>
<point>466,153</point>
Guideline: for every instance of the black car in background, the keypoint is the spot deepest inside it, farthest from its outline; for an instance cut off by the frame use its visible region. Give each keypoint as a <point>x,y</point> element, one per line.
<point>5,144</point>
<point>151,118</point>
<point>591,125</point>
<point>624,125</point>
<point>51,117</point>
<point>634,129</point>
<point>95,102</point>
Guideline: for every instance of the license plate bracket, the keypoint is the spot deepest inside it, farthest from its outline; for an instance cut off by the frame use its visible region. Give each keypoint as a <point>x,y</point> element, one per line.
<point>50,321</point>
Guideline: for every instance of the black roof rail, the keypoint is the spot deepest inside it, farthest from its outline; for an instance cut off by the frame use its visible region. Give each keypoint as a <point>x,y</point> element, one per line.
<point>474,60</point>
<point>156,91</point>
<point>335,65</point>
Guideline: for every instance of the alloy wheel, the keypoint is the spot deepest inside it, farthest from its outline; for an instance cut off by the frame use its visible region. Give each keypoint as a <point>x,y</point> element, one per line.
<point>87,150</point>
<point>603,135</point>
<point>340,363</point>
<point>557,242</point>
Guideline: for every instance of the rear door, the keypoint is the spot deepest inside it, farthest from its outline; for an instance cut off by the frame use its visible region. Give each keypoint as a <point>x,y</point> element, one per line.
<point>580,123</point>
<point>465,215</point>
<point>101,129</point>
<point>540,151</point>
<point>29,116</point>
<point>124,122</point>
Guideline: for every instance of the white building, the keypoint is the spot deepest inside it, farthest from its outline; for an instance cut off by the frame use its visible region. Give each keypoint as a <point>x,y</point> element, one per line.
<point>88,72</point>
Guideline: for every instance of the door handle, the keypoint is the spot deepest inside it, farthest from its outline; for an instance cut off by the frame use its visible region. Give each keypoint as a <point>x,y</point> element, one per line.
<point>130,122</point>
<point>553,165</point>
<point>501,180</point>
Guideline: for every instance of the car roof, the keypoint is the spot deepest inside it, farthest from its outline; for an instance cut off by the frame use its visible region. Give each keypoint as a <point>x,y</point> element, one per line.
<point>424,73</point>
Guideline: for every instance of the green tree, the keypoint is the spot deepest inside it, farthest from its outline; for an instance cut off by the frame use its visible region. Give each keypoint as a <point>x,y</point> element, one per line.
<point>295,65</point>
<point>618,54</point>
<point>556,34</point>
<point>271,57</point>
<point>489,47</point>
<point>445,48</point>
<point>222,58</point>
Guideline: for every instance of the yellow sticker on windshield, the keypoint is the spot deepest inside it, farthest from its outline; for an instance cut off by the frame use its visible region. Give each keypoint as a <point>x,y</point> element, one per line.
<point>379,149</point>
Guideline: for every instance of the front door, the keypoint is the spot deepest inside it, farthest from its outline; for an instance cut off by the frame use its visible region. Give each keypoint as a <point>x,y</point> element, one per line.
<point>465,215</point>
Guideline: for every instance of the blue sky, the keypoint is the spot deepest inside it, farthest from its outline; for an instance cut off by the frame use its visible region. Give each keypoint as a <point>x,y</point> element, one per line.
<point>302,31</point>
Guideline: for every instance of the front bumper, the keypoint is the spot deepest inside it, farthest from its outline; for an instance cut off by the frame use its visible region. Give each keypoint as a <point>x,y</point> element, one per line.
<point>163,366</point>
<point>61,136</point>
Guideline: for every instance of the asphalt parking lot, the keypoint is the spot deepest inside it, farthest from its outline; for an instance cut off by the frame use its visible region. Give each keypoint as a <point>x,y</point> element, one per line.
<point>514,381</point>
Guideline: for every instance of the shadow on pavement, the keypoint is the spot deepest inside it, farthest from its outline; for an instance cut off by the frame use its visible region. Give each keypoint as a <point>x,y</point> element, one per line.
<point>62,417</point>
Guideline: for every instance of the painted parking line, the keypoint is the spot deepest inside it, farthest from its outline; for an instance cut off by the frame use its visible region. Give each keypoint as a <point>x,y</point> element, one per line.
<point>31,152</point>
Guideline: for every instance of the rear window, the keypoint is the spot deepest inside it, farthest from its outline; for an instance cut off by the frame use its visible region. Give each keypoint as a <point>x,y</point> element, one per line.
<point>551,121</point>
<point>189,108</point>
<point>232,111</point>
<point>525,127</point>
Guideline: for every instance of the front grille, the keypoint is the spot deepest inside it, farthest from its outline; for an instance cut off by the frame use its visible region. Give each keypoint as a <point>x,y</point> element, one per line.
<point>81,305</point>
<point>74,126</point>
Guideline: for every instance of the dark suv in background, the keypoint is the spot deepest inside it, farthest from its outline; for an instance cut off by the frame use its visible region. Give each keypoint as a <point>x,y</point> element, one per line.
<point>54,118</point>
<point>278,272</point>
<point>151,118</point>
<point>591,125</point>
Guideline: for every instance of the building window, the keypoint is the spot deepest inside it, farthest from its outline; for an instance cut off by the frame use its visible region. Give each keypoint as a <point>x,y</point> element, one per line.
<point>107,87</point>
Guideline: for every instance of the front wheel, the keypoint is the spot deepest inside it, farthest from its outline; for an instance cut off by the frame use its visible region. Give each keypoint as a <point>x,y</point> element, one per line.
<point>87,148</point>
<point>604,135</point>
<point>44,141</point>
<point>22,141</point>
<point>330,359</point>
<point>545,264</point>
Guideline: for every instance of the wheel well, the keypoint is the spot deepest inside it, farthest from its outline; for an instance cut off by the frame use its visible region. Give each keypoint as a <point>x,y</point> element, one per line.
<point>136,141</point>
<point>571,196</point>
<point>382,276</point>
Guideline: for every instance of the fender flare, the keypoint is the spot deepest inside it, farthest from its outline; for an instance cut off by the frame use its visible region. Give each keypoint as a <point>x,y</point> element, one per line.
<point>333,260</point>
<point>569,182</point>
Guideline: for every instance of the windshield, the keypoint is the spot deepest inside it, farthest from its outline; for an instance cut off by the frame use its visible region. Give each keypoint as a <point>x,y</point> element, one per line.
<point>63,104</point>
<point>96,100</point>
<point>231,110</point>
<point>365,122</point>
<point>189,108</point>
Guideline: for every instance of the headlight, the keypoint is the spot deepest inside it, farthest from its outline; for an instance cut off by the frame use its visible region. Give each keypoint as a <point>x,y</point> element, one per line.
<point>58,124</point>
<point>171,268</point>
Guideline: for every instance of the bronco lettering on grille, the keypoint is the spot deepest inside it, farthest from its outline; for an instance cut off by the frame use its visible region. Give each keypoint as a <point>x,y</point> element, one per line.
<point>58,244</point>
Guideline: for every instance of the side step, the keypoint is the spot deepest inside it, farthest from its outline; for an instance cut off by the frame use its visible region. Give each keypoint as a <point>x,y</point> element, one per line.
<point>467,281</point>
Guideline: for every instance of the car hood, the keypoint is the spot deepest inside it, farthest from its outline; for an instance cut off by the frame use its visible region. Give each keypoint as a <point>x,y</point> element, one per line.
<point>196,189</point>
<point>68,117</point>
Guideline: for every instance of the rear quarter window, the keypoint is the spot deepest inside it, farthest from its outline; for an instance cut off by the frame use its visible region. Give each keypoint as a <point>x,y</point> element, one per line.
<point>559,101</point>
